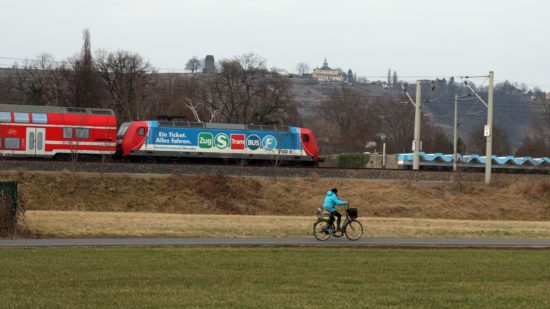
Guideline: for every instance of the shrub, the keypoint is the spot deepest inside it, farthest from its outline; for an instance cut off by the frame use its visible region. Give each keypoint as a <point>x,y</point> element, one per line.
<point>352,160</point>
<point>7,222</point>
<point>11,217</point>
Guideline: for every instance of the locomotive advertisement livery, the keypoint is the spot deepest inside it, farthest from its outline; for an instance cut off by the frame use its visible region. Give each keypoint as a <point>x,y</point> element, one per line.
<point>217,140</point>
<point>224,141</point>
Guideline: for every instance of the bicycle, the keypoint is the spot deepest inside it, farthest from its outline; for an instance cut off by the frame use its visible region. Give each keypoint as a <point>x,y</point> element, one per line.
<point>351,228</point>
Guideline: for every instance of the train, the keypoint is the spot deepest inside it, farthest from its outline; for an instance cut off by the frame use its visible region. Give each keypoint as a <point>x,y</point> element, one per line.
<point>49,132</point>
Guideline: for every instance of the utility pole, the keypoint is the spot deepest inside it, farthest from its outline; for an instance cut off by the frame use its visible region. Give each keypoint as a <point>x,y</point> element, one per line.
<point>455,135</point>
<point>489,130</point>
<point>417,114</point>
<point>416,144</point>
<point>384,155</point>
<point>455,131</point>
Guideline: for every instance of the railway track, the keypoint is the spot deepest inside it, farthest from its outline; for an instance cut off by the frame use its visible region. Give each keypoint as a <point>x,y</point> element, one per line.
<point>239,170</point>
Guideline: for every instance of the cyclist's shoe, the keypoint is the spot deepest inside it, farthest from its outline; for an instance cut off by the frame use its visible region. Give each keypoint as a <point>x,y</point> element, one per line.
<point>338,230</point>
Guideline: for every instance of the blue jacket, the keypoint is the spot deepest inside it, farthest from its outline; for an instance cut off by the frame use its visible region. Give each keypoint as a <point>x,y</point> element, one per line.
<point>331,200</point>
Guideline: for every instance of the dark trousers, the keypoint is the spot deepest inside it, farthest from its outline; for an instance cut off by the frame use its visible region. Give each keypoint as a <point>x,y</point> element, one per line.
<point>335,214</point>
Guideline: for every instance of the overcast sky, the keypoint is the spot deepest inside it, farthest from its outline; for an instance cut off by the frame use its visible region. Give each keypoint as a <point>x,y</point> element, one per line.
<point>416,38</point>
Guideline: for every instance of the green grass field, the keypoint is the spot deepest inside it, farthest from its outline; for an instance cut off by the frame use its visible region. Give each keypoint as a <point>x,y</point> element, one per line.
<point>273,278</point>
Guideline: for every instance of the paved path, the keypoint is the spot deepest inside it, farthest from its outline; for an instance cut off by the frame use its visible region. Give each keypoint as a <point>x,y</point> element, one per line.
<point>278,242</point>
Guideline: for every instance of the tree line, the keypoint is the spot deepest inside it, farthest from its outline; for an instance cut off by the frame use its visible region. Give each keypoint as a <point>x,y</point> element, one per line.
<point>243,90</point>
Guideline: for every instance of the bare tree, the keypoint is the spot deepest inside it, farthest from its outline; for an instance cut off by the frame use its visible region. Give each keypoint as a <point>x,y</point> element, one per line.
<point>397,125</point>
<point>127,78</point>
<point>186,97</point>
<point>40,81</point>
<point>8,90</point>
<point>244,91</point>
<point>352,116</point>
<point>537,143</point>
<point>534,146</point>
<point>544,124</point>
<point>395,79</point>
<point>501,145</point>
<point>45,81</point>
<point>434,138</point>
<point>83,80</point>
<point>194,64</point>
<point>302,68</point>
<point>345,108</point>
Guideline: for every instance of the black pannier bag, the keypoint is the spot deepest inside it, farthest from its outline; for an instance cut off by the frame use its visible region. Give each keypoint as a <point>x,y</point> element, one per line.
<point>352,213</point>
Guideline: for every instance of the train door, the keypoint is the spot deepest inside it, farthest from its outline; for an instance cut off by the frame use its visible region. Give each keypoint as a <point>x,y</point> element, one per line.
<point>36,142</point>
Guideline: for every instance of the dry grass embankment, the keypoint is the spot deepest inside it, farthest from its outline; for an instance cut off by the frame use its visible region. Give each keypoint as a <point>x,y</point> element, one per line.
<point>122,224</point>
<point>217,194</point>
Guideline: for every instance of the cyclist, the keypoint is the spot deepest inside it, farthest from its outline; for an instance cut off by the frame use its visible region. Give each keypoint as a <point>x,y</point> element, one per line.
<point>330,203</point>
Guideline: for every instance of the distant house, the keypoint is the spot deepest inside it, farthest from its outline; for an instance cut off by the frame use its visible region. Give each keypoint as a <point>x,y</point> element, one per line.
<point>548,96</point>
<point>326,74</point>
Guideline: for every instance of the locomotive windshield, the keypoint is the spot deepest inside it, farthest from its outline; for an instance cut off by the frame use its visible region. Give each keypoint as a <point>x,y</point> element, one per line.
<point>122,129</point>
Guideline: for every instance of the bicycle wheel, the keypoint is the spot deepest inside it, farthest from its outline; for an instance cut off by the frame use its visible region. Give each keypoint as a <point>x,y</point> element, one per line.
<point>320,230</point>
<point>353,230</point>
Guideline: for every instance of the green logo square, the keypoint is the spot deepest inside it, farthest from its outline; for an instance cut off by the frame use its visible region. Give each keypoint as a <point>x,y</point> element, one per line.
<point>206,140</point>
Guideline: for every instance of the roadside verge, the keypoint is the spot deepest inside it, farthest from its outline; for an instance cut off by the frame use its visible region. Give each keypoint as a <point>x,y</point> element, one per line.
<point>51,224</point>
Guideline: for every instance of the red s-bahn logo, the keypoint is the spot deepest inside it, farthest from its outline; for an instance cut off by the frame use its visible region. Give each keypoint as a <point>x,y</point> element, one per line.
<point>237,141</point>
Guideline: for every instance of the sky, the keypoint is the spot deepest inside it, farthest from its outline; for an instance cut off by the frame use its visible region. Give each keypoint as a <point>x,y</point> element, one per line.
<point>417,39</point>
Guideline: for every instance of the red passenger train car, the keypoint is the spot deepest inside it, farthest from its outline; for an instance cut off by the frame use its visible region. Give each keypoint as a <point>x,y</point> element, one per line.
<point>48,131</point>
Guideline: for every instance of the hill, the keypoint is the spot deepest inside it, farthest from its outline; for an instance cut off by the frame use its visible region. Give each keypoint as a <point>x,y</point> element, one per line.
<point>515,108</point>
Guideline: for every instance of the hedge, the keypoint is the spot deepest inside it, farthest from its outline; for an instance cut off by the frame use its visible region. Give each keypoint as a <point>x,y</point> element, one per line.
<point>352,160</point>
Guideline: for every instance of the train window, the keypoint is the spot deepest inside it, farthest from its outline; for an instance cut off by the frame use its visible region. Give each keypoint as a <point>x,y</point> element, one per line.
<point>31,141</point>
<point>39,118</point>
<point>123,128</point>
<point>0,143</point>
<point>306,138</point>
<point>141,131</point>
<point>67,132</point>
<point>11,143</point>
<point>39,141</point>
<point>21,117</point>
<point>101,112</point>
<point>82,133</point>
<point>196,124</point>
<point>77,110</point>
<point>5,117</point>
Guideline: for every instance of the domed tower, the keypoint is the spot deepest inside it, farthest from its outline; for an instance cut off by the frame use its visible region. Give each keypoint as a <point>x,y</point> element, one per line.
<point>325,65</point>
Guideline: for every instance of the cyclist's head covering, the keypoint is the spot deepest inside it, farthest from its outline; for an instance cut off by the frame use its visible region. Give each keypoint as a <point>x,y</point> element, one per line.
<point>334,190</point>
